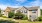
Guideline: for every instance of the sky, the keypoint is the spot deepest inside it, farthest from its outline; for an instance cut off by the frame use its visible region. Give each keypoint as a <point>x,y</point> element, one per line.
<point>16,3</point>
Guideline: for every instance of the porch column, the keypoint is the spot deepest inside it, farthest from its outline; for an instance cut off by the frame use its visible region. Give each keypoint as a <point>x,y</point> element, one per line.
<point>15,11</point>
<point>28,14</point>
<point>7,14</point>
<point>38,12</point>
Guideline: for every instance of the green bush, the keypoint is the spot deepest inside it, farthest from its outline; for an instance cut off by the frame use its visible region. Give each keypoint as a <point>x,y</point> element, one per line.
<point>7,21</point>
<point>19,16</point>
<point>10,14</point>
<point>25,18</point>
<point>39,18</point>
<point>0,15</point>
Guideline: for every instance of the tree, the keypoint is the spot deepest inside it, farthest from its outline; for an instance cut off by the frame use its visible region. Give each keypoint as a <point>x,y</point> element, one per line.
<point>0,13</point>
<point>41,11</point>
<point>0,10</point>
<point>10,14</point>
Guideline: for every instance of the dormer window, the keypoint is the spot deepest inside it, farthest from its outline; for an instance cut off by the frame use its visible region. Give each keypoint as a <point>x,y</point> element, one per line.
<point>21,11</point>
<point>25,11</point>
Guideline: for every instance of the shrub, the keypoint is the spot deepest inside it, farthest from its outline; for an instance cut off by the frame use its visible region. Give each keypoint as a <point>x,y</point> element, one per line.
<point>19,16</point>
<point>0,15</point>
<point>10,14</point>
<point>25,18</point>
<point>39,18</point>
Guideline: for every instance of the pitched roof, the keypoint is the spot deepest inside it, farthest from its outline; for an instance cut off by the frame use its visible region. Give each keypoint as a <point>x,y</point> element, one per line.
<point>12,8</point>
<point>35,7</point>
<point>28,8</point>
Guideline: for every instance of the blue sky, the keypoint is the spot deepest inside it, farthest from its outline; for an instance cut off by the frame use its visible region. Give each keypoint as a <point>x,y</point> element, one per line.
<point>17,3</point>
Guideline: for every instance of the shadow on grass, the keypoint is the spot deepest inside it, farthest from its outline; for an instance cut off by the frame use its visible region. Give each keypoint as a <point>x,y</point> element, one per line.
<point>7,21</point>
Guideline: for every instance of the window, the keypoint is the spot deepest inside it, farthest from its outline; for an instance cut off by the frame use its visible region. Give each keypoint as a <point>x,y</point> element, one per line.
<point>25,11</point>
<point>33,11</point>
<point>21,11</point>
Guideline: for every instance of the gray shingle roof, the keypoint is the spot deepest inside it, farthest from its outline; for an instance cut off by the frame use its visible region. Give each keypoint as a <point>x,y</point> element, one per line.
<point>28,8</point>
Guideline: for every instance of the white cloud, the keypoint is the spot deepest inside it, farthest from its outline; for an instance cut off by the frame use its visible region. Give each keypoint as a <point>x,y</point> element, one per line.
<point>36,3</point>
<point>3,7</point>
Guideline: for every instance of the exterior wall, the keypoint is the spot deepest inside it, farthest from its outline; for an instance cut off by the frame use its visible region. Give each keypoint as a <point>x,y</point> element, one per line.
<point>4,13</point>
<point>31,14</point>
<point>7,10</point>
<point>37,13</point>
<point>21,9</point>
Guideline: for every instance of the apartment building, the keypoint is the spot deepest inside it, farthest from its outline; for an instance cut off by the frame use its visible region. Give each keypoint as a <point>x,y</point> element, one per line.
<point>29,11</point>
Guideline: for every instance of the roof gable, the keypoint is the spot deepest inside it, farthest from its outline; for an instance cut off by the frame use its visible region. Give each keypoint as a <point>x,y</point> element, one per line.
<point>22,8</point>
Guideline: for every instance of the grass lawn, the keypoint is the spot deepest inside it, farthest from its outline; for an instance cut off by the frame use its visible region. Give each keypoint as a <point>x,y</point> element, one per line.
<point>26,21</point>
<point>21,21</point>
<point>1,18</point>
